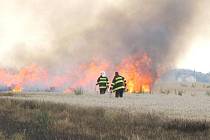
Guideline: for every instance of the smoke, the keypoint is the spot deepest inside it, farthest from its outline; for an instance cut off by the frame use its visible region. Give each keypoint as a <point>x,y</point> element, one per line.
<point>55,33</point>
<point>62,34</point>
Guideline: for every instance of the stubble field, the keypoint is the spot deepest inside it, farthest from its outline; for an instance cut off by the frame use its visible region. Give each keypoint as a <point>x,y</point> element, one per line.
<point>166,114</point>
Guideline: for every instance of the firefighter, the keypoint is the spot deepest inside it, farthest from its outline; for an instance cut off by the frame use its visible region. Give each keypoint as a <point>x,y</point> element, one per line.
<point>118,85</point>
<point>103,83</point>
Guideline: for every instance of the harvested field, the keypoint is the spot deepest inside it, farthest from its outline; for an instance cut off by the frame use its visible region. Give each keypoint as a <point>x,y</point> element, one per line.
<point>33,120</point>
<point>172,106</point>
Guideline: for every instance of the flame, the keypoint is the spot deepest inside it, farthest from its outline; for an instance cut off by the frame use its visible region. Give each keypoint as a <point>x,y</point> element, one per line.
<point>86,74</point>
<point>137,71</point>
<point>29,75</point>
<point>131,86</point>
<point>17,89</point>
<point>146,89</point>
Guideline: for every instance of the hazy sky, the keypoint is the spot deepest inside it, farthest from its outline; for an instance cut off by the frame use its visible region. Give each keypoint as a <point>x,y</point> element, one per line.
<point>30,29</point>
<point>197,58</point>
<point>198,55</point>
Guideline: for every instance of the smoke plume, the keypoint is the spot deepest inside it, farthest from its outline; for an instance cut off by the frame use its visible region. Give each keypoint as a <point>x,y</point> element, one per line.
<point>60,35</point>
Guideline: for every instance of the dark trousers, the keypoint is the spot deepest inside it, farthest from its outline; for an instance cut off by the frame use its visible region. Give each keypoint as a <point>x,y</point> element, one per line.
<point>103,90</point>
<point>119,93</point>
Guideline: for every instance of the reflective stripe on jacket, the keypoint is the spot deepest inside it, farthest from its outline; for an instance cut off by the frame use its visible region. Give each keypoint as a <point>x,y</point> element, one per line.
<point>103,82</point>
<point>118,83</point>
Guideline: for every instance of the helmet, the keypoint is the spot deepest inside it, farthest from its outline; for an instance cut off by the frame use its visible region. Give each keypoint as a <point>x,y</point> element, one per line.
<point>103,73</point>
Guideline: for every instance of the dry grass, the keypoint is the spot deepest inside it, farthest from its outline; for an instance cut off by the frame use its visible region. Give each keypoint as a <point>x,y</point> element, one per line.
<point>208,93</point>
<point>195,107</point>
<point>79,91</point>
<point>6,94</point>
<point>184,87</point>
<point>42,121</point>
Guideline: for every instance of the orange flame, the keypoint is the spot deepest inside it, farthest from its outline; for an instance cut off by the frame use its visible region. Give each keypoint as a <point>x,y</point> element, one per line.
<point>86,74</point>
<point>137,71</point>
<point>27,75</point>
<point>17,89</point>
<point>146,89</point>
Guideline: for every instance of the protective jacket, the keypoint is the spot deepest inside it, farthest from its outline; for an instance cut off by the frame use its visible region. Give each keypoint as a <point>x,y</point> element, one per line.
<point>118,83</point>
<point>103,82</point>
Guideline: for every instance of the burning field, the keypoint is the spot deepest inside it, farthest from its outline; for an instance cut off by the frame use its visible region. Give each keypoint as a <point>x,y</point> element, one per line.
<point>52,52</point>
<point>137,71</point>
<point>90,37</point>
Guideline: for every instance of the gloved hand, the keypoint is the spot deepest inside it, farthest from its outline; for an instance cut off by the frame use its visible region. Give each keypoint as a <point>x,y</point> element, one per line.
<point>110,89</point>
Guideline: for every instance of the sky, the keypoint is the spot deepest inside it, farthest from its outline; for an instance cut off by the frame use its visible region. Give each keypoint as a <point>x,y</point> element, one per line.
<point>30,29</point>
<point>198,55</point>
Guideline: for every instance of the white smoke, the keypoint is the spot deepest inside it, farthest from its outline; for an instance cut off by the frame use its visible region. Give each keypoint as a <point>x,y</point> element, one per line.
<point>59,34</point>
